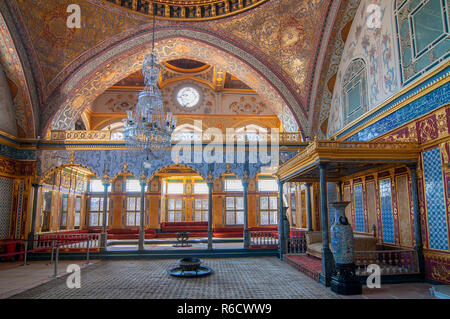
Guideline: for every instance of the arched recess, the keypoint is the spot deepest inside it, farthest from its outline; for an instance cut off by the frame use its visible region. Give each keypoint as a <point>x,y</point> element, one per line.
<point>119,61</point>
<point>354,90</point>
<point>15,74</point>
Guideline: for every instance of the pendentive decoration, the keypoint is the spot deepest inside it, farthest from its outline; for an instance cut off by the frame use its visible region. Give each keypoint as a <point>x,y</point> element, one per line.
<point>344,281</point>
<point>148,128</point>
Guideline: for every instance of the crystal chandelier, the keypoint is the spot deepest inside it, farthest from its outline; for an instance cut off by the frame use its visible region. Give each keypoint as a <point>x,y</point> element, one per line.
<point>148,127</point>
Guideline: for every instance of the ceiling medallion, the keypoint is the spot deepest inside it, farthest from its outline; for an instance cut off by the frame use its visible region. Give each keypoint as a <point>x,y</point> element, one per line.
<point>188,10</point>
<point>291,37</point>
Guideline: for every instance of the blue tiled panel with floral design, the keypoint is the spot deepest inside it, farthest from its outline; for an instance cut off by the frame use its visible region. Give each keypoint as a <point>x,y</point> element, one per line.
<point>435,200</point>
<point>423,105</point>
<point>386,211</point>
<point>409,112</point>
<point>359,210</point>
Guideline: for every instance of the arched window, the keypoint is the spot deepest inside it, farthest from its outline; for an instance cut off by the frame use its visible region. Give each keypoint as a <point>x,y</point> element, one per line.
<point>187,132</point>
<point>354,86</point>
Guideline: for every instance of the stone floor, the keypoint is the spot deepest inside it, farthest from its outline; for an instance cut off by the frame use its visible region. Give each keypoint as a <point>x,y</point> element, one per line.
<point>233,278</point>
<point>259,278</point>
<point>396,291</point>
<point>16,278</point>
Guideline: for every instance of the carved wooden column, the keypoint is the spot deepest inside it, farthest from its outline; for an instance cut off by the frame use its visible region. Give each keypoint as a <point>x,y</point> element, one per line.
<point>36,187</point>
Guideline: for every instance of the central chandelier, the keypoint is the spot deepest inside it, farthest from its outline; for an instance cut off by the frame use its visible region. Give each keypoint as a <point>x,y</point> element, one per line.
<point>148,127</point>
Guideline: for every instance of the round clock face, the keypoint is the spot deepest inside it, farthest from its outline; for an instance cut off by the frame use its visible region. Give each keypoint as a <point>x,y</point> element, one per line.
<point>188,97</point>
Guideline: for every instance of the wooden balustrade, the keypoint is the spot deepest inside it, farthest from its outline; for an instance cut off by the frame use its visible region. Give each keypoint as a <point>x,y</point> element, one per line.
<point>296,243</point>
<point>391,262</point>
<point>67,241</point>
<point>263,239</point>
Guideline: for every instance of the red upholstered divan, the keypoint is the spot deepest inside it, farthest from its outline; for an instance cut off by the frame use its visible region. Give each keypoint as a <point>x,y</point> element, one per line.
<point>184,226</point>
<point>129,233</point>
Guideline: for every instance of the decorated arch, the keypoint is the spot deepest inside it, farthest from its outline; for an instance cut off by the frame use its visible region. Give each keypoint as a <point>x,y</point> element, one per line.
<point>125,58</point>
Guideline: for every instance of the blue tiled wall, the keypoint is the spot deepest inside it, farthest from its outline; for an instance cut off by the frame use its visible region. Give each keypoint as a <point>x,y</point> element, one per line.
<point>423,105</point>
<point>359,210</point>
<point>435,200</point>
<point>386,211</point>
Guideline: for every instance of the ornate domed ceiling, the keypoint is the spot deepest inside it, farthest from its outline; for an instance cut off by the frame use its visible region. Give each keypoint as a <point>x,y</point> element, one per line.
<point>286,51</point>
<point>188,10</point>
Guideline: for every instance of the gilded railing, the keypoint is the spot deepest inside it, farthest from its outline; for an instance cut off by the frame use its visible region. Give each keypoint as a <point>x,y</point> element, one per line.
<point>80,136</point>
<point>284,138</point>
<point>187,10</point>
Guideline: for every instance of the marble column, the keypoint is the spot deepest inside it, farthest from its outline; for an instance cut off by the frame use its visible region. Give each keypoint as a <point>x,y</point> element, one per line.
<point>210,213</point>
<point>308,206</point>
<point>103,237</point>
<point>33,216</point>
<point>142,218</point>
<point>281,220</point>
<point>418,246</point>
<point>327,257</point>
<point>246,233</point>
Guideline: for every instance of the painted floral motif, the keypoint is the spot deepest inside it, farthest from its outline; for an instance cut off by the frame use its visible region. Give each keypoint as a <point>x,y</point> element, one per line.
<point>374,43</point>
<point>247,106</point>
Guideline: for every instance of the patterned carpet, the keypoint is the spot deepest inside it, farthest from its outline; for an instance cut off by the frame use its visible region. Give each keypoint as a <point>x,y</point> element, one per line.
<point>243,278</point>
<point>310,266</point>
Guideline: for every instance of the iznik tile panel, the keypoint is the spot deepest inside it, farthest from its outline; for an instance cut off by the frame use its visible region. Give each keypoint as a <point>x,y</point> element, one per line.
<point>386,211</point>
<point>332,196</point>
<point>425,104</point>
<point>6,189</point>
<point>435,200</point>
<point>359,208</point>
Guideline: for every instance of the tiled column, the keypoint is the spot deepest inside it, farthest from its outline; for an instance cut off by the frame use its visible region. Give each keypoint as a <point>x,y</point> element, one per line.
<point>327,257</point>
<point>418,246</point>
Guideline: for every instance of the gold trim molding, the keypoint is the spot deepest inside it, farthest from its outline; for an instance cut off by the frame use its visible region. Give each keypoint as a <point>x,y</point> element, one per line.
<point>185,10</point>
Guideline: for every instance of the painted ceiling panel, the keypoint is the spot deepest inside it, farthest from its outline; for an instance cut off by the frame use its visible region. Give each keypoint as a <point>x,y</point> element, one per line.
<point>283,35</point>
<point>55,44</point>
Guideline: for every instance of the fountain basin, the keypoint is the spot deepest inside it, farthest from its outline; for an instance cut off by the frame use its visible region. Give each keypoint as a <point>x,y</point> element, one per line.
<point>190,267</point>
